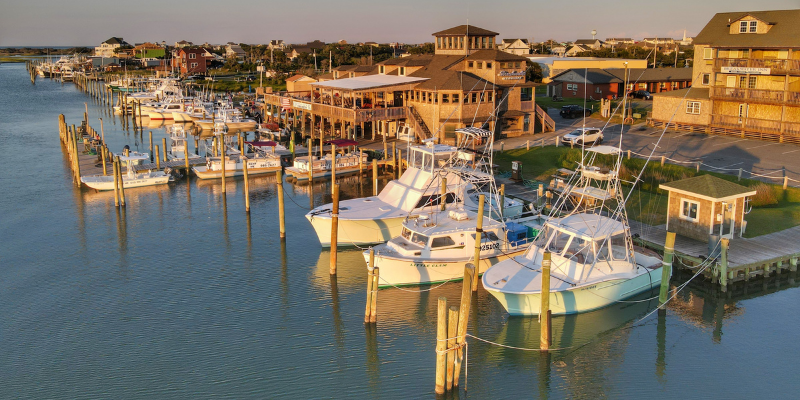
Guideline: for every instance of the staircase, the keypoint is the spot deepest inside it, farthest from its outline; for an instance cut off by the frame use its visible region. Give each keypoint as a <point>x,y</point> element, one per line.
<point>420,129</point>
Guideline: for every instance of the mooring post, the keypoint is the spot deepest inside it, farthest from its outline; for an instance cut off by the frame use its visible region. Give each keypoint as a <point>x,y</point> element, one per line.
<point>102,131</point>
<point>360,162</point>
<point>441,343</point>
<point>186,157</point>
<point>281,209</point>
<point>528,145</point>
<point>443,195</point>
<point>452,330</point>
<point>103,159</point>
<point>310,162</point>
<point>334,229</point>
<point>246,186</point>
<point>158,158</point>
<point>114,167</point>
<point>164,146</point>
<point>370,289</point>
<point>723,268</point>
<point>376,275</point>
<point>223,158</point>
<point>478,238</point>
<point>666,271</point>
<point>151,146</point>
<point>502,205</point>
<point>121,183</point>
<point>544,313</point>
<point>375,177</point>
<point>470,274</point>
<point>394,159</point>
<point>333,166</point>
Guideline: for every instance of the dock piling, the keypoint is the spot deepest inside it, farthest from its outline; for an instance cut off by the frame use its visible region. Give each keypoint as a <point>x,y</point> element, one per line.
<point>666,271</point>
<point>441,342</point>
<point>334,229</point>
<point>478,238</point>
<point>281,209</point>
<point>151,146</point>
<point>164,147</point>
<point>544,313</point>
<point>375,177</point>
<point>158,158</point>
<point>370,289</point>
<point>116,183</point>
<point>470,275</point>
<point>452,330</point>
<point>246,186</point>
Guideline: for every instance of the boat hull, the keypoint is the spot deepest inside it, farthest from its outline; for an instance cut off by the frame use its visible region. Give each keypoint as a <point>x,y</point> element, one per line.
<point>404,272</point>
<point>301,175</point>
<point>578,299</point>
<point>180,116</point>
<point>107,182</point>
<point>202,172</point>
<point>157,115</point>
<point>356,231</point>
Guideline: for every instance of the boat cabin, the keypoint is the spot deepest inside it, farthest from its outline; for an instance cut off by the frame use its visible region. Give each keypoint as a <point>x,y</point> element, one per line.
<point>430,156</point>
<point>425,236</point>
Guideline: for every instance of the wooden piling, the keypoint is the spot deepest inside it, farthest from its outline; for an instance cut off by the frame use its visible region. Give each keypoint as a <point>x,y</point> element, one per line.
<point>186,158</point>
<point>452,330</point>
<point>370,288</point>
<point>103,159</point>
<point>310,162</point>
<point>360,162</point>
<point>151,146</point>
<point>224,157</point>
<point>158,158</point>
<point>376,275</point>
<point>443,194</point>
<point>470,275</point>
<point>281,210</point>
<point>478,238</point>
<point>441,342</point>
<point>785,182</point>
<point>394,159</point>
<point>663,159</point>
<point>666,271</point>
<point>723,267</point>
<point>121,184</point>
<point>116,183</point>
<point>164,147</point>
<point>334,229</point>
<point>544,312</point>
<point>501,207</point>
<point>375,177</point>
<point>102,132</point>
<point>333,166</point>
<point>246,186</point>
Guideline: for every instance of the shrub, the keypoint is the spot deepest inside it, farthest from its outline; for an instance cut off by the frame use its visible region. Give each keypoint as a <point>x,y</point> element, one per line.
<point>765,195</point>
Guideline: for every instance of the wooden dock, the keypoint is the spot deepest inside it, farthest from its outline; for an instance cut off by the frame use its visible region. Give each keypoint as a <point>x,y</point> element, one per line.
<point>747,258</point>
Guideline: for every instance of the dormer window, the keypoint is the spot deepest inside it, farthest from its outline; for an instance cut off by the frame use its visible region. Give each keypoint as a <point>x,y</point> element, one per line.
<point>742,26</point>
<point>753,26</point>
<point>748,26</point>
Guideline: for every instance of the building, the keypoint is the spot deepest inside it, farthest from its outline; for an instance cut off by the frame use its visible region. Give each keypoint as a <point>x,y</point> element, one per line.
<point>618,41</point>
<point>704,205</point>
<point>277,45</point>
<point>434,94</point>
<point>608,83</point>
<point>520,47</point>
<point>106,49</point>
<point>299,83</point>
<point>192,60</point>
<point>464,40</point>
<point>182,44</point>
<point>233,50</point>
<point>148,50</point>
<point>658,41</point>
<point>552,66</point>
<point>577,49</point>
<point>593,44</point>
<point>746,73</point>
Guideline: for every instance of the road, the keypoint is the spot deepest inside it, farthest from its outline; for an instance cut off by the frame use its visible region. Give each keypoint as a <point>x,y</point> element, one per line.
<point>717,153</point>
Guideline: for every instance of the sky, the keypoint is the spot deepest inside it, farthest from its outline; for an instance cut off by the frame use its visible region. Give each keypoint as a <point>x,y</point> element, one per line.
<point>89,22</point>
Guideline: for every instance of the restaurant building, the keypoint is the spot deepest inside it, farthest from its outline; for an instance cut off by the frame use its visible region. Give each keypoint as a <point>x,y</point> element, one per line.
<point>467,82</point>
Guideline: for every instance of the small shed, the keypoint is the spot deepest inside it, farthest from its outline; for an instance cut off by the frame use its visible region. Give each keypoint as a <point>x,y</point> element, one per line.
<point>705,205</point>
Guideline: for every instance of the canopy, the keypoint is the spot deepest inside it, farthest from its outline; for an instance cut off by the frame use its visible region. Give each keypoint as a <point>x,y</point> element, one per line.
<point>342,142</point>
<point>476,132</point>
<point>267,143</point>
<point>367,82</point>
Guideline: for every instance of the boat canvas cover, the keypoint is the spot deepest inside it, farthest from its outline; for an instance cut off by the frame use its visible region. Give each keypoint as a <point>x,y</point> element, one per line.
<point>267,143</point>
<point>604,149</point>
<point>589,226</point>
<point>476,132</point>
<point>404,193</point>
<point>342,142</point>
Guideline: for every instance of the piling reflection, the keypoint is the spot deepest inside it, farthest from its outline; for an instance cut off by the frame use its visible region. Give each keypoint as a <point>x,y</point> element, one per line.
<point>661,344</point>
<point>338,324</point>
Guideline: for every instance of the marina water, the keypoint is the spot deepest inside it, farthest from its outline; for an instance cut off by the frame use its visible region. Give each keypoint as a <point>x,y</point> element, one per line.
<point>180,296</point>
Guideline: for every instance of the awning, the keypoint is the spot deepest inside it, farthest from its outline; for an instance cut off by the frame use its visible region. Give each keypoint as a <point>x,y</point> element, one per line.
<point>476,132</point>
<point>342,142</point>
<point>267,143</point>
<point>368,82</point>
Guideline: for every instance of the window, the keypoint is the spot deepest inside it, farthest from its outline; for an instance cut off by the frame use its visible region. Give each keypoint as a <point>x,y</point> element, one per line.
<point>747,82</point>
<point>424,96</point>
<point>663,85</point>
<point>470,64</point>
<point>516,65</point>
<point>597,90</point>
<point>455,98</point>
<point>442,241</point>
<point>480,64</point>
<point>445,98</point>
<point>706,79</point>
<point>689,209</point>
<point>475,97</point>
<point>708,53</point>
<point>752,83</point>
<point>753,26</point>
<point>435,97</point>
<point>693,107</point>
<point>402,70</point>
<point>490,96</point>
<point>742,26</point>
<point>439,42</point>
<point>571,86</point>
<point>192,56</point>
<point>193,65</point>
<point>382,69</point>
<point>488,65</point>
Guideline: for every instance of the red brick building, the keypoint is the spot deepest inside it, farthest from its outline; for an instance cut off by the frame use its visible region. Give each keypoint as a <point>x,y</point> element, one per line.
<point>194,60</point>
<point>607,83</point>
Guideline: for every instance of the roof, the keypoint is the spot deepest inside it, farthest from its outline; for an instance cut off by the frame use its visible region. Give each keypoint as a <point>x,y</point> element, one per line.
<point>653,74</point>
<point>784,31</point>
<point>464,30</point>
<point>298,77</point>
<point>450,80</point>
<point>514,40</point>
<point>708,187</point>
<point>592,76</point>
<point>368,82</point>
<point>513,114</point>
<point>694,93</point>
<point>588,41</point>
<point>495,55</point>
<point>588,226</point>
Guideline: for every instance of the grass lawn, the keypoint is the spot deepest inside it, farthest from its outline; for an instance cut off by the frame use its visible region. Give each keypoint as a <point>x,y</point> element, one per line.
<point>13,59</point>
<point>648,204</point>
<point>547,102</point>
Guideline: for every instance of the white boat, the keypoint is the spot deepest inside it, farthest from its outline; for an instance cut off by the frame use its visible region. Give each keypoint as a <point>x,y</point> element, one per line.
<point>437,241</point>
<point>178,144</point>
<point>376,219</point>
<point>322,166</point>
<point>131,179</point>
<point>165,111</point>
<point>594,261</point>
<point>229,117</point>
<point>258,162</point>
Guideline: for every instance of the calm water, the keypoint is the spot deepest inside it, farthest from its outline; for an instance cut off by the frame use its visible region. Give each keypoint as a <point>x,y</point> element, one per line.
<point>176,298</point>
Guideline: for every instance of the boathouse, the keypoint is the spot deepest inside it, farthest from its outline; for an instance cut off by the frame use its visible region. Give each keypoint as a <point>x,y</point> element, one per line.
<point>704,205</point>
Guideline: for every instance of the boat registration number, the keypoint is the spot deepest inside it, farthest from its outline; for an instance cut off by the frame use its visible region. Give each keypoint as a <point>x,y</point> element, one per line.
<point>490,246</point>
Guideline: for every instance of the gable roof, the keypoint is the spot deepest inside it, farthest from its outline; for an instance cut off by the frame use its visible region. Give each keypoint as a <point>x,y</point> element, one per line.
<point>495,55</point>
<point>464,30</point>
<point>514,40</point>
<point>708,187</point>
<point>695,93</point>
<point>784,31</point>
<point>653,74</point>
<point>593,76</point>
<point>451,80</point>
<point>299,77</point>
<point>116,40</point>
<point>588,41</point>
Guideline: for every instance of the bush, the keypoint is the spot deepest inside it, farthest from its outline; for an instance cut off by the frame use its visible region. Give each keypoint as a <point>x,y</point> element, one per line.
<point>765,195</point>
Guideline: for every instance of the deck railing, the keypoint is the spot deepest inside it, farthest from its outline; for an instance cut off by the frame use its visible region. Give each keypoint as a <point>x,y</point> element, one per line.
<point>776,65</point>
<point>756,95</point>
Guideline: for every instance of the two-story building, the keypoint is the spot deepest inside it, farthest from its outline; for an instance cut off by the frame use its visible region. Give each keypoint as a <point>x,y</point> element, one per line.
<point>519,47</point>
<point>746,78</point>
<point>192,60</point>
<point>106,49</point>
<point>467,82</point>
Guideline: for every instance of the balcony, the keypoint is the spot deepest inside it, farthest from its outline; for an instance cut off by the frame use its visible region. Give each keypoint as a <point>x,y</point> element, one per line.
<point>756,125</point>
<point>302,102</point>
<point>755,95</point>
<point>776,66</point>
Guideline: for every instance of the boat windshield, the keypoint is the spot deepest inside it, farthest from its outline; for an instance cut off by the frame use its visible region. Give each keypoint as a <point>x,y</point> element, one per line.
<point>415,237</point>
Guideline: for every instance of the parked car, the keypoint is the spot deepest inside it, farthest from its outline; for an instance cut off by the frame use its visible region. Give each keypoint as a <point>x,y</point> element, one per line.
<point>640,94</point>
<point>584,136</point>
<point>574,111</point>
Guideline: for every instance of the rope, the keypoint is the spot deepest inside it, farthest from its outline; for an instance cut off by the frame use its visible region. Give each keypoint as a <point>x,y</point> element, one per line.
<point>421,290</point>
<point>514,347</point>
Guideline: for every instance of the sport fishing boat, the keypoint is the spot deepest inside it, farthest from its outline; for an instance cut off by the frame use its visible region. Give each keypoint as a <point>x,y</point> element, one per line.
<point>258,162</point>
<point>594,262</point>
<point>229,117</point>
<point>438,240</point>
<point>322,166</point>
<point>178,144</point>
<point>131,179</point>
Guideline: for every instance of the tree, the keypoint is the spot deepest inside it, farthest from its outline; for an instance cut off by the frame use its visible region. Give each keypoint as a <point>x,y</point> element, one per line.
<point>425,48</point>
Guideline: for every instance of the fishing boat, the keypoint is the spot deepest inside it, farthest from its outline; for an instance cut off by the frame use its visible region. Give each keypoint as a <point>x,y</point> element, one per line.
<point>178,144</point>
<point>165,111</point>
<point>376,219</point>
<point>258,162</point>
<point>229,117</point>
<point>322,166</point>
<point>594,262</point>
<point>131,179</point>
<point>438,240</point>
